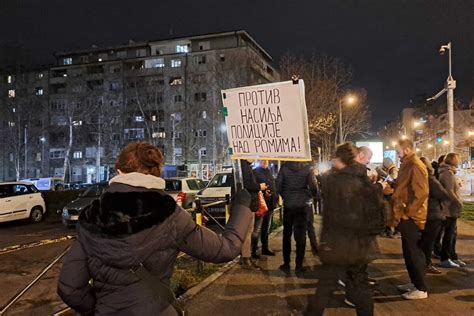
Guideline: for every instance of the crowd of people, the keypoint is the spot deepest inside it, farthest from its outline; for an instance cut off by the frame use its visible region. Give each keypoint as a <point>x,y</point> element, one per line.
<point>128,242</point>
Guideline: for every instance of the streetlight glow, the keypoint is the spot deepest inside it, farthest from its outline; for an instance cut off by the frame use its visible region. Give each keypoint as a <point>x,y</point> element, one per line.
<point>404,136</point>
<point>416,124</point>
<point>470,133</point>
<point>394,143</point>
<point>429,145</point>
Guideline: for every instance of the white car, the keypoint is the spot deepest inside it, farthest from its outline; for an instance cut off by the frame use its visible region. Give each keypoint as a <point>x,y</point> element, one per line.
<point>20,200</point>
<point>217,190</point>
<point>183,190</point>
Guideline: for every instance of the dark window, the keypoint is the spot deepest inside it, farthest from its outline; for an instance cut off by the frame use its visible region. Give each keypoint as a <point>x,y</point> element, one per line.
<point>173,185</point>
<point>193,185</point>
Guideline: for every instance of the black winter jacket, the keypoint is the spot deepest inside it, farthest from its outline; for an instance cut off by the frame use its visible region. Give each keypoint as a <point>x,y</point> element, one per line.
<point>352,206</point>
<point>250,183</point>
<point>136,222</point>
<point>438,195</point>
<point>264,175</point>
<point>296,184</point>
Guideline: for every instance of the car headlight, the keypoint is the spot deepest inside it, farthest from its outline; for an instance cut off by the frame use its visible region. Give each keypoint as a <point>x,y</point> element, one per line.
<point>65,212</point>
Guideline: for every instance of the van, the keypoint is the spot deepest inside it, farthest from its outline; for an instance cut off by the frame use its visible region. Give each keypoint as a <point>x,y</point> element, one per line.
<point>47,184</point>
<point>20,200</point>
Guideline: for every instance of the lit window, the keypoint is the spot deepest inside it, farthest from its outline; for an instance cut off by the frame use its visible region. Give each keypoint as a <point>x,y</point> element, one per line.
<point>154,118</point>
<point>39,91</point>
<point>182,48</point>
<point>76,123</point>
<point>176,81</point>
<point>178,151</point>
<point>11,93</point>
<point>77,155</point>
<point>198,60</point>
<point>11,124</point>
<point>202,152</point>
<point>155,63</point>
<point>39,75</point>
<point>9,79</point>
<point>175,63</point>
<point>139,118</point>
<point>67,61</point>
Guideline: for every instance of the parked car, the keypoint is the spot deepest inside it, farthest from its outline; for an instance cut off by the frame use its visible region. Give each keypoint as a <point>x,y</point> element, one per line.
<point>217,190</point>
<point>183,190</point>
<point>47,184</point>
<point>71,211</point>
<point>20,200</point>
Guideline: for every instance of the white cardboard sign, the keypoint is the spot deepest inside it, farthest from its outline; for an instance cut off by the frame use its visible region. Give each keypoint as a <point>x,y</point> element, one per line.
<point>267,121</point>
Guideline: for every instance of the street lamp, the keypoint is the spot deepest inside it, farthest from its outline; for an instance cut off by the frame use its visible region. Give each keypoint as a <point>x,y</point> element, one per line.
<point>42,140</point>
<point>349,99</point>
<point>449,87</point>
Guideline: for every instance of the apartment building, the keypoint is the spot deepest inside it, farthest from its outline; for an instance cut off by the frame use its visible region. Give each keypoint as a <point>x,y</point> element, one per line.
<point>166,92</point>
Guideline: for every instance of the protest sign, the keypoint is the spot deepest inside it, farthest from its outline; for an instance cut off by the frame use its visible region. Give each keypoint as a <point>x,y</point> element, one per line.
<point>267,121</point>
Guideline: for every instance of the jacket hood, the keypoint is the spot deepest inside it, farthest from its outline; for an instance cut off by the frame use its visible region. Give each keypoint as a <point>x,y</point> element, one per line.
<point>445,168</point>
<point>295,166</point>
<point>136,179</point>
<point>356,169</point>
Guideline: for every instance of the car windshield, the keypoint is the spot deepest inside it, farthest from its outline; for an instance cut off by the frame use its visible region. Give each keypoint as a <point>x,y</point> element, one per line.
<point>93,191</point>
<point>193,185</point>
<point>173,185</point>
<point>221,180</point>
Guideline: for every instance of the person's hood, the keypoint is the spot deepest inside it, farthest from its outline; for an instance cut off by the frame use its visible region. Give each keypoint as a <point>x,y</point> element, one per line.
<point>356,169</point>
<point>444,167</point>
<point>295,166</point>
<point>136,179</point>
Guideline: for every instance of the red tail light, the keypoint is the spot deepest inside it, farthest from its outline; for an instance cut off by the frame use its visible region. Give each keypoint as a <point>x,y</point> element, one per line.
<point>180,198</point>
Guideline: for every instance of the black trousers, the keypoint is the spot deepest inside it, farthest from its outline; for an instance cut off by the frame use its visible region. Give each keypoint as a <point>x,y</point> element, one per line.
<point>310,228</point>
<point>267,223</point>
<point>448,248</point>
<point>294,221</point>
<point>357,289</point>
<point>439,239</point>
<point>414,258</point>
<point>428,238</point>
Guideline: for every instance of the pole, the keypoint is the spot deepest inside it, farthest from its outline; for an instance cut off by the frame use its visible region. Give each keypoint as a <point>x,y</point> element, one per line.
<point>97,159</point>
<point>173,142</point>
<point>340,122</point>
<point>25,173</point>
<point>450,86</point>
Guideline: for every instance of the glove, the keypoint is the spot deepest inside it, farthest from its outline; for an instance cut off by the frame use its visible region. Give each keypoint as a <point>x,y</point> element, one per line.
<point>242,198</point>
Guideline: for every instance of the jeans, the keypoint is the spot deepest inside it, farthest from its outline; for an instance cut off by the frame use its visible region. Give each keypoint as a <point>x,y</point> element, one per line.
<point>256,233</point>
<point>448,248</point>
<point>428,238</point>
<point>294,221</point>
<point>414,258</point>
<point>357,289</point>
<point>266,226</point>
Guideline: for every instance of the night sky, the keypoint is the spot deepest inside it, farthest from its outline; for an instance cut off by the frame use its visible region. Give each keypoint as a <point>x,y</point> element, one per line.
<point>392,45</point>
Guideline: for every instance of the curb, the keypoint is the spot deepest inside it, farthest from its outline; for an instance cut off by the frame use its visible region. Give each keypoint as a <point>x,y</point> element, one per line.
<point>189,294</point>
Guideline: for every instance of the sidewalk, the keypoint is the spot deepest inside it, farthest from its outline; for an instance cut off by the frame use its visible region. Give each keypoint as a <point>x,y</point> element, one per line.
<point>270,292</point>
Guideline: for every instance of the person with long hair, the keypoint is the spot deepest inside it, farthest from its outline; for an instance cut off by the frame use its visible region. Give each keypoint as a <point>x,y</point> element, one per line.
<point>128,241</point>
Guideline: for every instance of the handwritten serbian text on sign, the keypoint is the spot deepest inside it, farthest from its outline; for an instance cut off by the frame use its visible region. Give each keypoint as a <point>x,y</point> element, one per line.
<point>267,121</point>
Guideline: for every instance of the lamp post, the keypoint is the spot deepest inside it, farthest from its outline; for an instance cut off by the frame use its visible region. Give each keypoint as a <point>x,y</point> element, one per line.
<point>42,140</point>
<point>450,86</point>
<point>349,99</point>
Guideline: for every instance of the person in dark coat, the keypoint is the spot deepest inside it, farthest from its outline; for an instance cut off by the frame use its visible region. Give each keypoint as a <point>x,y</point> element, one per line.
<point>435,216</point>
<point>439,237</point>
<point>353,216</point>
<point>253,187</point>
<point>452,208</point>
<point>134,226</point>
<point>264,175</point>
<point>296,184</point>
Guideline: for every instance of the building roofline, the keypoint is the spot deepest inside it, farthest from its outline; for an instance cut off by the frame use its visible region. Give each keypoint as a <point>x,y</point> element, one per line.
<point>145,43</point>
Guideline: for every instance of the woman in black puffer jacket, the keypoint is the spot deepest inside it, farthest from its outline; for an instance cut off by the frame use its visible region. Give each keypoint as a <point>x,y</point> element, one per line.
<point>435,218</point>
<point>136,223</point>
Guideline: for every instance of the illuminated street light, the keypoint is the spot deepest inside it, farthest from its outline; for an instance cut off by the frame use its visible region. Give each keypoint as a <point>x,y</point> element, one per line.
<point>429,145</point>
<point>416,124</point>
<point>470,133</point>
<point>446,142</point>
<point>349,99</point>
<point>404,136</point>
<point>394,143</point>
<point>417,149</point>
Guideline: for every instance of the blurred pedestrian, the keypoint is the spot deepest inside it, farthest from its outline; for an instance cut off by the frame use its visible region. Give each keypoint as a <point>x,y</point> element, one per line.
<point>264,175</point>
<point>452,208</point>
<point>296,184</point>
<point>435,216</point>
<point>127,243</point>
<point>389,172</point>
<point>410,207</point>
<point>353,216</point>
<point>253,187</point>
<point>317,200</point>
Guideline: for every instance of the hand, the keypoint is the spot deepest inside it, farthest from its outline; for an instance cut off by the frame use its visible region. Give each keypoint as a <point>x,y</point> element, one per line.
<point>242,198</point>
<point>263,186</point>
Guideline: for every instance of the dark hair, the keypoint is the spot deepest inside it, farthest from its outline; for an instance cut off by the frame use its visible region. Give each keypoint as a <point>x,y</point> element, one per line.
<point>346,153</point>
<point>450,158</point>
<point>428,165</point>
<point>441,158</point>
<point>406,143</point>
<point>140,157</point>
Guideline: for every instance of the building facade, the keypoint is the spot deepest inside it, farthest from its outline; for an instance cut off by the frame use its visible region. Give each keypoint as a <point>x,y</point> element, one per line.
<point>79,113</point>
